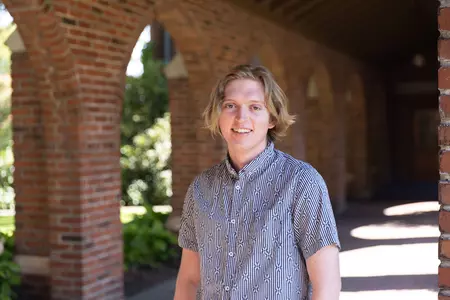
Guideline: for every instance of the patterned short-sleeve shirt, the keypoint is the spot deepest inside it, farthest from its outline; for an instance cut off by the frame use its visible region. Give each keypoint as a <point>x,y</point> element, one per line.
<point>254,229</point>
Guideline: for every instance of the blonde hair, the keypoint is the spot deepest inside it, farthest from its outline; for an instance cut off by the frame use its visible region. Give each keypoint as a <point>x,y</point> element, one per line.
<point>276,100</point>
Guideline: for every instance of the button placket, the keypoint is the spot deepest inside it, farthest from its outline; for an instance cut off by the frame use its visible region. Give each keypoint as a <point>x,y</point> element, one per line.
<point>231,261</point>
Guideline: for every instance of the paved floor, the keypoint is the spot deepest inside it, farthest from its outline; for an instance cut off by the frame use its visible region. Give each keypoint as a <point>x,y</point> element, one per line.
<point>389,252</point>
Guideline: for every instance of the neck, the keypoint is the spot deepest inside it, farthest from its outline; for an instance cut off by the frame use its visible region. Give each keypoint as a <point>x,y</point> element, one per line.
<point>241,157</point>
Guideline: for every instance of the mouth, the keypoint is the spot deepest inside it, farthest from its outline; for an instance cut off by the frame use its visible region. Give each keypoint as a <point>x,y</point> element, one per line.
<point>241,130</point>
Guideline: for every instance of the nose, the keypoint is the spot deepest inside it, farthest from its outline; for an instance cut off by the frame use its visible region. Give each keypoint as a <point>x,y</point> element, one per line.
<point>242,114</point>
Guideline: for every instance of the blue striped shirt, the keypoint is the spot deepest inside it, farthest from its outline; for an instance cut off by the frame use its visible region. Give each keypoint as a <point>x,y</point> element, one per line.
<point>254,229</point>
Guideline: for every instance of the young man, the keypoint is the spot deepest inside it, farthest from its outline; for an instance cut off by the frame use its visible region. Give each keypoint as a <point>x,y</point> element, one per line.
<point>259,225</point>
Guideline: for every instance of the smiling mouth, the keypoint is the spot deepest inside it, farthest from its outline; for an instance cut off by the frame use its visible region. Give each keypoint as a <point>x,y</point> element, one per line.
<point>241,130</point>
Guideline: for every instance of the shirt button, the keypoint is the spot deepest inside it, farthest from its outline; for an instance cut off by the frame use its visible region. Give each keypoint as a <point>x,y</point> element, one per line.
<point>227,288</point>
<point>233,221</point>
<point>238,187</point>
<point>231,254</point>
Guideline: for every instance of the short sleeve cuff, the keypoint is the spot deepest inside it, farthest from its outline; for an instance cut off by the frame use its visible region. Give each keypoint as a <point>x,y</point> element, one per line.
<point>325,240</point>
<point>186,243</point>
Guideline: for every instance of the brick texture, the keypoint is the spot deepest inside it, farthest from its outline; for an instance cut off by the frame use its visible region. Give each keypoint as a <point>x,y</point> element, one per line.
<point>444,249</point>
<point>34,288</point>
<point>444,106</point>
<point>32,222</point>
<point>184,144</point>
<point>67,104</point>
<point>356,139</point>
<point>444,156</point>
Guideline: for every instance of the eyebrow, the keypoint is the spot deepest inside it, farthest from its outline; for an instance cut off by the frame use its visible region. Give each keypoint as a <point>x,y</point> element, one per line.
<point>251,101</point>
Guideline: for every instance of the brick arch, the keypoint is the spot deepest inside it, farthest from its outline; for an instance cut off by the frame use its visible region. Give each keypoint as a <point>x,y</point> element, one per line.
<point>184,29</point>
<point>356,138</point>
<point>319,109</point>
<point>192,147</point>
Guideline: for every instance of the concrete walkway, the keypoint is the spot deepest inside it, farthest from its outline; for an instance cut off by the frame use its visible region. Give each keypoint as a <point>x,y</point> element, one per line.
<point>389,252</point>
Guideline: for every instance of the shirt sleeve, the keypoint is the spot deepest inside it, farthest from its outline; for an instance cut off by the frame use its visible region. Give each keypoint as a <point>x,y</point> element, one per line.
<point>187,237</point>
<point>313,218</point>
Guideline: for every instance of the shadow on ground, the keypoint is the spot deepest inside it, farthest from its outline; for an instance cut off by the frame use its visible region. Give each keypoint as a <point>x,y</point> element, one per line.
<point>389,247</point>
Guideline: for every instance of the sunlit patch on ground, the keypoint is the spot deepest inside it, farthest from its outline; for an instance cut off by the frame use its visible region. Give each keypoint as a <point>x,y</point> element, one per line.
<point>395,230</point>
<point>411,208</point>
<point>395,258</point>
<point>388,260</point>
<point>390,295</point>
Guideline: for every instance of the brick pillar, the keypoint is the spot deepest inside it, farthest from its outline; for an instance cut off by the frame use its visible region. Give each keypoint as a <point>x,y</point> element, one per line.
<point>210,150</point>
<point>444,155</point>
<point>67,143</point>
<point>357,158</point>
<point>30,181</point>
<point>337,159</point>
<point>183,134</point>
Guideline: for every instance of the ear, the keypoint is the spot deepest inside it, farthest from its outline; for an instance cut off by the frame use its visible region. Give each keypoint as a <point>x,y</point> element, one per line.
<point>272,122</point>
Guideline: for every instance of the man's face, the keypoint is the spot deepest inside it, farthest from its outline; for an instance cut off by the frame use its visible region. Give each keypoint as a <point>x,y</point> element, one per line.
<point>244,119</point>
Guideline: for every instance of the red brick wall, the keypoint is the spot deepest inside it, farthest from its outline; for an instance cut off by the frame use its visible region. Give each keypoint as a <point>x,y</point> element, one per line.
<point>30,174</point>
<point>29,151</point>
<point>356,141</point>
<point>444,155</point>
<point>184,141</point>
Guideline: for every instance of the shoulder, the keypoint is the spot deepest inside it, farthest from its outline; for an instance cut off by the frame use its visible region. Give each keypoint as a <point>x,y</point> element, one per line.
<point>209,177</point>
<point>297,166</point>
<point>304,174</point>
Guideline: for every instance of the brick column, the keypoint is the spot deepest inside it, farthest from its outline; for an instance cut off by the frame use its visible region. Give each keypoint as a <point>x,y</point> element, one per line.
<point>30,179</point>
<point>444,155</point>
<point>67,133</point>
<point>357,158</point>
<point>210,150</point>
<point>183,114</point>
<point>337,160</point>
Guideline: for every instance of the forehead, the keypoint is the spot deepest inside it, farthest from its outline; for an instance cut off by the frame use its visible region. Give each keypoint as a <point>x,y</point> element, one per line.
<point>244,89</point>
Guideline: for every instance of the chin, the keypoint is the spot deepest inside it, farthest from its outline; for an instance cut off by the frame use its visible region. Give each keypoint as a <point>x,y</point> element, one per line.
<point>242,144</point>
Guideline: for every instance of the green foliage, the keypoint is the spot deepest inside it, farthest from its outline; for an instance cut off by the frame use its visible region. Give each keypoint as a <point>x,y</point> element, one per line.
<point>147,242</point>
<point>9,270</point>
<point>7,225</point>
<point>145,135</point>
<point>6,154</point>
<point>146,97</point>
<point>146,174</point>
<point>5,52</point>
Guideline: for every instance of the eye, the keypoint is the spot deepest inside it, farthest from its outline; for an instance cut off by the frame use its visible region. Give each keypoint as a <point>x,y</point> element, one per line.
<point>228,106</point>
<point>256,107</point>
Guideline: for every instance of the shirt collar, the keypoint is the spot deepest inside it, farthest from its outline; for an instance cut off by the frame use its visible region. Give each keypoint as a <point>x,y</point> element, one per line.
<point>259,162</point>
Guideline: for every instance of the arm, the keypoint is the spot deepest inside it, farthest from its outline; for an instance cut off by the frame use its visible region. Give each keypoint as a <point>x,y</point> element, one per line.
<point>189,273</point>
<point>323,271</point>
<point>316,235</point>
<point>188,276</point>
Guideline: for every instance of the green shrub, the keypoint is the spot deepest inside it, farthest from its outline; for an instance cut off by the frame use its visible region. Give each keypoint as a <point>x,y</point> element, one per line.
<point>147,242</point>
<point>146,174</point>
<point>145,136</point>
<point>9,270</point>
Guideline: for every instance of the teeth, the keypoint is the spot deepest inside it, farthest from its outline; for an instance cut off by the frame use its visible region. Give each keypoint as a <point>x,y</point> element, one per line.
<point>242,130</point>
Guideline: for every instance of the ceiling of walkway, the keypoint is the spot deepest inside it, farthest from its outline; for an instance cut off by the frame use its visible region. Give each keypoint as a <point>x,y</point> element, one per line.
<point>373,30</point>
